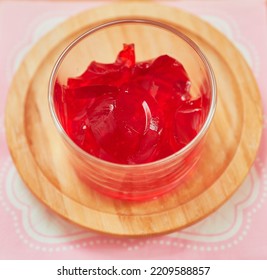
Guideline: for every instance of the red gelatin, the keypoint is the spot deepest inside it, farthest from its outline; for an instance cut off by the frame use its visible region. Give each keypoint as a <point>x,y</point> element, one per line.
<point>131,112</point>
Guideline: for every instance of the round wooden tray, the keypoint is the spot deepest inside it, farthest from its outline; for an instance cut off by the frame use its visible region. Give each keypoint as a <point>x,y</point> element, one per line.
<point>231,147</point>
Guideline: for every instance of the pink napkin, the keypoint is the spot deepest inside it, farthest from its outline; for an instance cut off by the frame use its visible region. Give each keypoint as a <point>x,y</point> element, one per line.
<point>31,231</point>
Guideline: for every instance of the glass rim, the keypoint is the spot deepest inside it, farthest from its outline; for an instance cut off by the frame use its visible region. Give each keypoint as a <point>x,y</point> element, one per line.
<point>154,23</point>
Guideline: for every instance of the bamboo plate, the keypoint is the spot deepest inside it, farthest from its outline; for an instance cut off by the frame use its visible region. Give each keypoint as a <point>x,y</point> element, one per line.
<point>230,150</point>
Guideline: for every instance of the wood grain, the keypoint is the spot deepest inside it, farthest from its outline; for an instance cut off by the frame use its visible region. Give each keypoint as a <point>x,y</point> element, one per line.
<point>228,154</point>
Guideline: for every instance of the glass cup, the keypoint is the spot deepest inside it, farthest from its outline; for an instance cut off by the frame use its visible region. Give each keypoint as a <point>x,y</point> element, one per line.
<point>152,39</point>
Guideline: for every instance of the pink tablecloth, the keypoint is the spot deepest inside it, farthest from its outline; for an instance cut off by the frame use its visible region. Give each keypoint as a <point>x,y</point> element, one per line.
<point>30,231</point>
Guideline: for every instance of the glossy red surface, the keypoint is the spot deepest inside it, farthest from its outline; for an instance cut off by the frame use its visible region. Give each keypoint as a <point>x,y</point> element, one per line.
<point>131,112</point>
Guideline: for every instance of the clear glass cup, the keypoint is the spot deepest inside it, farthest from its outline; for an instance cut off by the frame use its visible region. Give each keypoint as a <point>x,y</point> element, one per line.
<point>152,39</point>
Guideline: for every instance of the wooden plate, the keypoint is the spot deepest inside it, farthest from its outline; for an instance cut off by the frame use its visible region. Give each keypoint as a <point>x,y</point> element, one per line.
<point>230,150</point>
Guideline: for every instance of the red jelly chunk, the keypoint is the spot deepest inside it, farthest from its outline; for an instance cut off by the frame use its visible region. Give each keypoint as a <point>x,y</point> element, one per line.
<point>131,112</point>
